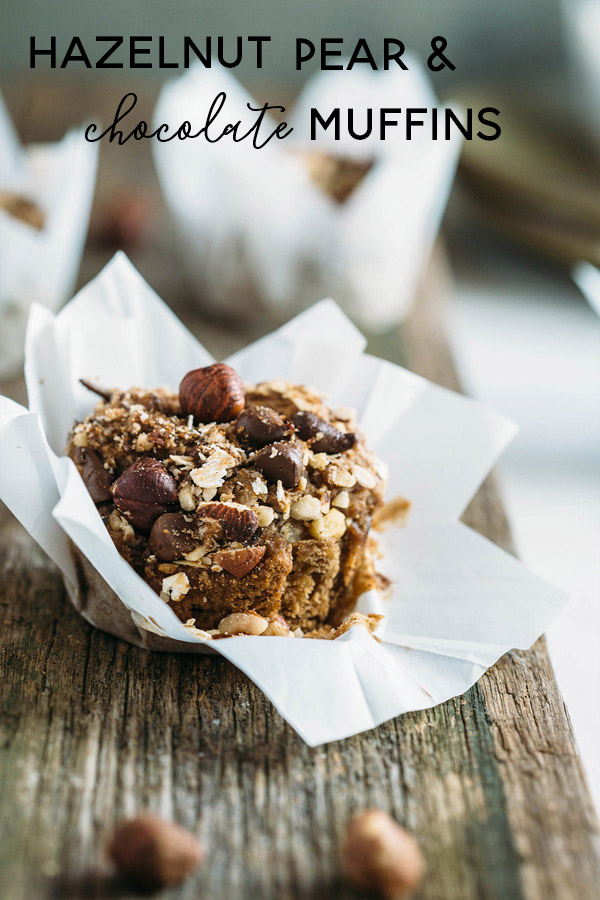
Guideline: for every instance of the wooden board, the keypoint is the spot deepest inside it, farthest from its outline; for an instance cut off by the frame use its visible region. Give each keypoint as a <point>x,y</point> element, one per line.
<point>92,729</point>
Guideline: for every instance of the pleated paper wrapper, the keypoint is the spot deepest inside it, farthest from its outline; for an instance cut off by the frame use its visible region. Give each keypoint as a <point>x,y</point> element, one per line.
<point>259,237</point>
<point>41,265</point>
<point>457,601</point>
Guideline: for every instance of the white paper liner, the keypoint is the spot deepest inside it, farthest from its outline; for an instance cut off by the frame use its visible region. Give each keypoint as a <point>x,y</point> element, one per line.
<point>458,602</point>
<point>41,265</point>
<point>258,234</point>
<point>587,279</point>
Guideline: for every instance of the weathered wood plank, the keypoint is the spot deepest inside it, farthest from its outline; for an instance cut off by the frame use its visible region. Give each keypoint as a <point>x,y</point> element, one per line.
<point>92,729</point>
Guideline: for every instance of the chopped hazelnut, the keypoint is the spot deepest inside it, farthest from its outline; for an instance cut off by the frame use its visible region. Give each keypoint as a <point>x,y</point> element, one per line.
<point>306,508</point>
<point>265,515</point>
<point>80,439</point>
<point>364,477</point>
<point>342,500</point>
<point>187,499</point>
<point>244,623</point>
<point>329,527</point>
<point>174,587</point>
<point>343,478</point>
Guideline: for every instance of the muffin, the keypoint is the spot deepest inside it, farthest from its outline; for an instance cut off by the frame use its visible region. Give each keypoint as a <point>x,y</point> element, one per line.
<point>247,508</point>
<point>337,176</point>
<point>22,208</point>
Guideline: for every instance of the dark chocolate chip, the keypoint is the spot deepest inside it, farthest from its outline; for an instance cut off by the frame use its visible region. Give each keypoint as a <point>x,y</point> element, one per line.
<point>260,425</point>
<point>95,477</point>
<point>171,537</point>
<point>281,461</point>
<point>325,438</point>
<point>144,491</point>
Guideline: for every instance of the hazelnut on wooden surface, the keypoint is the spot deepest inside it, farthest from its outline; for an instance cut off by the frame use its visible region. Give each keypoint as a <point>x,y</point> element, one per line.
<point>212,394</point>
<point>278,627</point>
<point>151,853</point>
<point>381,857</point>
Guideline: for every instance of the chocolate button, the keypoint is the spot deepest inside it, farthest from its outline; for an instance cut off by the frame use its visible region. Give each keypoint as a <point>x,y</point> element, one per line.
<point>260,425</point>
<point>281,462</point>
<point>171,537</point>
<point>95,477</point>
<point>325,438</point>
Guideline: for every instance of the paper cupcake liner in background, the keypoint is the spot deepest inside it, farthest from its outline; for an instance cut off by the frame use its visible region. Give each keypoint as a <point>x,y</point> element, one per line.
<point>587,278</point>
<point>41,265</point>
<point>259,237</point>
<point>457,602</point>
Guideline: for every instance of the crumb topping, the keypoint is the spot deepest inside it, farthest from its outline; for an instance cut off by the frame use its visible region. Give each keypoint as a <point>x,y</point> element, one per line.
<point>308,512</point>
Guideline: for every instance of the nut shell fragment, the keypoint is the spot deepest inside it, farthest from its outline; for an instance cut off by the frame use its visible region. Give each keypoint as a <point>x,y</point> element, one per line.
<point>329,527</point>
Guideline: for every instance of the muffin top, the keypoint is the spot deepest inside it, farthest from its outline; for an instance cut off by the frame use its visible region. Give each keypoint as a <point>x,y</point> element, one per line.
<point>280,461</point>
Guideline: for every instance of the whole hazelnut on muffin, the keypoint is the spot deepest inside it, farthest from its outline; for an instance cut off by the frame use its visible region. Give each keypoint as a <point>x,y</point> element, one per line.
<point>214,393</point>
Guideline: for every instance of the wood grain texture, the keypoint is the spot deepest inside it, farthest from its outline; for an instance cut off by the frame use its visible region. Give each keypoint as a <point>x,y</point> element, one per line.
<point>92,729</point>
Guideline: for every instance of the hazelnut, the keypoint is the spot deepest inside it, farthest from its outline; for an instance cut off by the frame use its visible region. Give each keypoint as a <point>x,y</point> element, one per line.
<point>364,477</point>
<point>243,623</point>
<point>144,491</point>
<point>240,561</point>
<point>341,500</point>
<point>171,537</point>
<point>381,857</point>
<point>238,522</point>
<point>151,853</point>
<point>330,527</point>
<point>278,627</point>
<point>212,394</point>
<point>95,477</point>
<point>175,586</point>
